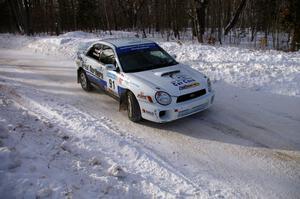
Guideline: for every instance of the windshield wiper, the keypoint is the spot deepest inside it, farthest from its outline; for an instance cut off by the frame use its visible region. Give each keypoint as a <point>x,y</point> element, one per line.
<point>169,63</point>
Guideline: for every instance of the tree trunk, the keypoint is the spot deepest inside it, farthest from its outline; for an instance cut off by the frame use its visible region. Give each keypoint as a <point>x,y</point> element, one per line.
<point>74,15</point>
<point>200,12</point>
<point>295,45</point>
<point>219,22</point>
<point>106,17</point>
<point>16,16</point>
<point>236,16</point>
<point>157,15</point>
<point>27,4</point>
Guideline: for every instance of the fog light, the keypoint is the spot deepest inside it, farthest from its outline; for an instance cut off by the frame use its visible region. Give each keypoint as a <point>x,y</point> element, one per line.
<point>162,113</point>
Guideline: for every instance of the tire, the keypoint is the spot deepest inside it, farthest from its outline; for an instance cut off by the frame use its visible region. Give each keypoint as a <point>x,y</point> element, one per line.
<point>133,108</point>
<point>84,81</point>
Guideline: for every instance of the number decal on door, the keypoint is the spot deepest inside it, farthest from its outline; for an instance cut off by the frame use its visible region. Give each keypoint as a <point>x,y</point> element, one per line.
<point>112,84</point>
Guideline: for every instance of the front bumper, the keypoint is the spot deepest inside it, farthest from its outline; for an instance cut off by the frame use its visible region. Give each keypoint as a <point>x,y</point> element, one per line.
<point>174,111</point>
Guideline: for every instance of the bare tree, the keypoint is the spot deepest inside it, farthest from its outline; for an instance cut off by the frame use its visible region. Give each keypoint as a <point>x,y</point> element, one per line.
<point>27,4</point>
<point>201,6</point>
<point>235,17</point>
<point>173,19</point>
<point>295,44</point>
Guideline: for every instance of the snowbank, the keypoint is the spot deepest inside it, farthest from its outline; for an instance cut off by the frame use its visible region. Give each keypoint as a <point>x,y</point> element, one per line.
<point>268,71</point>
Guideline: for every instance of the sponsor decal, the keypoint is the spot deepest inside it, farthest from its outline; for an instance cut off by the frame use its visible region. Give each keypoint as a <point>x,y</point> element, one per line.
<point>147,98</point>
<point>130,48</point>
<point>111,76</point>
<point>142,96</point>
<point>92,70</point>
<point>180,79</point>
<point>100,69</point>
<point>120,80</point>
<point>183,81</point>
<point>186,86</point>
<point>99,74</point>
<point>99,81</point>
<point>148,112</point>
<point>178,76</point>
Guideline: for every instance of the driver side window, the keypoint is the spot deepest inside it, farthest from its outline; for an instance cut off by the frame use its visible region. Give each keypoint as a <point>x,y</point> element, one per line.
<point>107,55</point>
<point>95,52</point>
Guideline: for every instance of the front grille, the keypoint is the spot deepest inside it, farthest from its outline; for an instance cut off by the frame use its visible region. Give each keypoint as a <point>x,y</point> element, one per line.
<point>190,96</point>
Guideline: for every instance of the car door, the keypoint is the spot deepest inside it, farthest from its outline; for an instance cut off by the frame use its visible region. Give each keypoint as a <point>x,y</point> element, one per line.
<point>107,56</point>
<point>94,67</point>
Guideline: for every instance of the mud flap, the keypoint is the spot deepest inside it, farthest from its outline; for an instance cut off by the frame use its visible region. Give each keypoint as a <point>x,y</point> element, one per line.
<point>78,70</point>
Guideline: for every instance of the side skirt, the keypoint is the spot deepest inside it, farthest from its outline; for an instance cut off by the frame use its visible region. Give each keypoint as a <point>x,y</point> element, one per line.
<point>99,88</point>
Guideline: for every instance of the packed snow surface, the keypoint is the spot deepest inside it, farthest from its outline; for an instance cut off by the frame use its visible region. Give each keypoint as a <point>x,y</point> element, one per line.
<point>57,141</point>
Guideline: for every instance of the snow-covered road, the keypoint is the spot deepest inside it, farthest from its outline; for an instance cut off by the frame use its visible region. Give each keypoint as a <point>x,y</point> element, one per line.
<point>246,146</point>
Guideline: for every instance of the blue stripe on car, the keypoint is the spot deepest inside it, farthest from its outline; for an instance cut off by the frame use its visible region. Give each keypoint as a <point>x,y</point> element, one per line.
<point>96,80</point>
<point>121,90</point>
<point>125,49</point>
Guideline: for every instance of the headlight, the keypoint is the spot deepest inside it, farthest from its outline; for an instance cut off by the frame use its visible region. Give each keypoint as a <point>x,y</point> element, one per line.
<point>163,98</point>
<point>209,85</point>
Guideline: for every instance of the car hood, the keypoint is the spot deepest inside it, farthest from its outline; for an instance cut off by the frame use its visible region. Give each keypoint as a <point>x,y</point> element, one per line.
<point>176,80</point>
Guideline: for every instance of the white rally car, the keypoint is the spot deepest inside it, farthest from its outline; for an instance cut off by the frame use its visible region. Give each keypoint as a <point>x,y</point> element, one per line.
<point>146,80</point>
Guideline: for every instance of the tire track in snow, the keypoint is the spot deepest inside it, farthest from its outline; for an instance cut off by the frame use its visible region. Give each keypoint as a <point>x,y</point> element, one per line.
<point>142,161</point>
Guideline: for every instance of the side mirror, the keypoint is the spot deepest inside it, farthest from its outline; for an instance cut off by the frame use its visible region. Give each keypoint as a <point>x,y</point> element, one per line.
<point>174,56</point>
<point>110,67</point>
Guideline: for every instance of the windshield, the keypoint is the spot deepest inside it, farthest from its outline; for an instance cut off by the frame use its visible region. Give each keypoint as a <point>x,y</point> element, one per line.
<point>145,59</point>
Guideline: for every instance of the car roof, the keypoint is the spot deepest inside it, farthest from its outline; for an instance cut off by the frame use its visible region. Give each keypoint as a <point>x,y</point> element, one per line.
<point>121,42</point>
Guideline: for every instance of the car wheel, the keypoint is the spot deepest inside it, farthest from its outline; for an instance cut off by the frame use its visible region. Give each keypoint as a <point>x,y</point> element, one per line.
<point>133,108</point>
<point>84,82</point>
